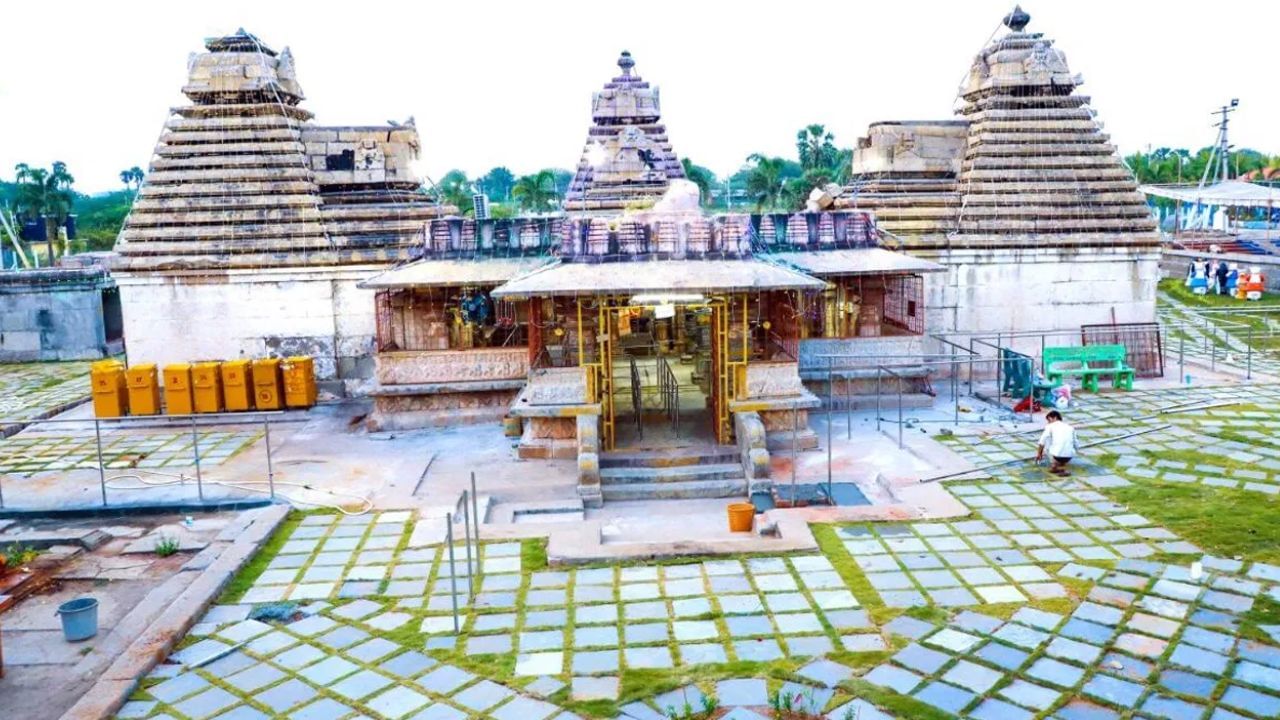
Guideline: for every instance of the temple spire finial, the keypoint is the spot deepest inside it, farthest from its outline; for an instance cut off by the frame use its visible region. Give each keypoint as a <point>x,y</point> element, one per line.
<point>1017,20</point>
<point>625,62</point>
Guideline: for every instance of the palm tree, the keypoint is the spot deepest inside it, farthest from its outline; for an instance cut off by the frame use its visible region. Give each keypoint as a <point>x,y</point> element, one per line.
<point>537,192</point>
<point>816,147</point>
<point>497,183</point>
<point>132,178</point>
<point>45,194</point>
<point>456,190</point>
<point>700,176</point>
<point>766,182</point>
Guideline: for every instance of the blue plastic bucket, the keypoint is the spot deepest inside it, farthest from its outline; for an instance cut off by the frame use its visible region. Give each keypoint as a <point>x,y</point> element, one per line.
<point>79,619</point>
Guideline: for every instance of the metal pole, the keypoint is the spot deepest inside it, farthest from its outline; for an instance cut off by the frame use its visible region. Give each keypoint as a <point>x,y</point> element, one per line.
<point>830,382</point>
<point>848,407</point>
<point>102,473</point>
<point>999,373</point>
<point>475,513</point>
<point>453,572</point>
<point>1031,387</point>
<point>955,387</point>
<point>1182,348</point>
<point>970,366</point>
<point>899,377</point>
<point>195,448</point>
<point>271,472</point>
<point>1249,355</point>
<point>466,529</point>
<point>795,449</point>
<point>877,398</point>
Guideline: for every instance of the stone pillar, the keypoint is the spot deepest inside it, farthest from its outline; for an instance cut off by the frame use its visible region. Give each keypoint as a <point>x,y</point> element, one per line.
<point>750,433</point>
<point>535,330</point>
<point>589,460</point>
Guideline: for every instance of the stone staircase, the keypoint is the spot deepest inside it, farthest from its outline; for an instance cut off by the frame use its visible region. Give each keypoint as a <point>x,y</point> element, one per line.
<point>702,472</point>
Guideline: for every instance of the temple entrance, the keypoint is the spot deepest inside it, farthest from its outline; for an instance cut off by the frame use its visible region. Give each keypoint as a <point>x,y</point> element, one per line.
<point>661,371</point>
<point>663,375</point>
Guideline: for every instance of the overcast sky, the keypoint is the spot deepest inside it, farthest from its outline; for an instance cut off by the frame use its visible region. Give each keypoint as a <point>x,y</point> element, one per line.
<point>509,83</point>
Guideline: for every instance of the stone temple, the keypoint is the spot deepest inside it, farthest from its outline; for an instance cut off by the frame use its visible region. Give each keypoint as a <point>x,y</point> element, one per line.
<point>1023,199</point>
<point>628,161</point>
<point>254,225</point>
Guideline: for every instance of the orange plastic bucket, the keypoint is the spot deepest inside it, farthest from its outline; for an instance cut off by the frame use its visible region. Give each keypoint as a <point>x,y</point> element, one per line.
<point>741,517</point>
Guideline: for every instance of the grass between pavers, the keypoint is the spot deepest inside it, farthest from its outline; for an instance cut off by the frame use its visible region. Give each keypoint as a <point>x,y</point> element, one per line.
<point>1177,290</point>
<point>257,565</point>
<point>1227,522</point>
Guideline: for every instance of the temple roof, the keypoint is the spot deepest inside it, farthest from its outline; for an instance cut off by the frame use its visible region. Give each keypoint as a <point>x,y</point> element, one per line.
<point>658,276</point>
<point>857,261</point>
<point>627,161</point>
<point>239,41</point>
<point>450,273</point>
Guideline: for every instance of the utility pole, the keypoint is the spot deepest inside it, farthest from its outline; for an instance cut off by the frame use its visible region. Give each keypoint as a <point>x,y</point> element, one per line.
<point>1222,171</point>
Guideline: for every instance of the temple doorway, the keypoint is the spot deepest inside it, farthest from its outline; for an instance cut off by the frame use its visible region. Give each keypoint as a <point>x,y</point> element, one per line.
<point>662,361</point>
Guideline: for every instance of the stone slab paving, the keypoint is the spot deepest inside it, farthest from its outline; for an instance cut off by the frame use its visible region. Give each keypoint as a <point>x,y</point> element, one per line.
<point>30,390</point>
<point>26,454</point>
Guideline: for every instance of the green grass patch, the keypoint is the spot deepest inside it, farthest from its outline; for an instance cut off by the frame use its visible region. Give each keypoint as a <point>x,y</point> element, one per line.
<point>902,706</point>
<point>1177,290</point>
<point>533,555</point>
<point>252,570</point>
<point>1265,611</point>
<point>1223,521</point>
<point>830,545</point>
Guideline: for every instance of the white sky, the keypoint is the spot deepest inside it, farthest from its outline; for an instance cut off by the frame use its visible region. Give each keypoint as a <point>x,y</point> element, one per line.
<point>510,83</point>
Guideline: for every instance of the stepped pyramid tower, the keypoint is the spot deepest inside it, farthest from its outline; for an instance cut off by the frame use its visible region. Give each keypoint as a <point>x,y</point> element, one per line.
<point>257,224</point>
<point>628,161</point>
<point>1024,198</point>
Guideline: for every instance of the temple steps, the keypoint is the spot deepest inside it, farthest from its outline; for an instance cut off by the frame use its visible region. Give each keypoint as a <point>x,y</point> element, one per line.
<point>261,160</point>
<point>223,189</point>
<point>261,122</point>
<point>1038,138</point>
<point>675,490</point>
<point>670,458</point>
<point>183,205</point>
<point>272,147</point>
<point>218,175</point>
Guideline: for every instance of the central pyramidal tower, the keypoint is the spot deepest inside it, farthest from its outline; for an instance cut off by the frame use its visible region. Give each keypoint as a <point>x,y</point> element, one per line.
<point>628,161</point>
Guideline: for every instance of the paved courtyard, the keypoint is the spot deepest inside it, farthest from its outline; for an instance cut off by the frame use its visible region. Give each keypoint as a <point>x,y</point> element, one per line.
<point>31,390</point>
<point>1052,600</point>
<point>28,453</point>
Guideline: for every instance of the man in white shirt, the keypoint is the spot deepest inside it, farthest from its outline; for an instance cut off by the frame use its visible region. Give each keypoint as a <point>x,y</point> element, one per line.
<point>1059,439</point>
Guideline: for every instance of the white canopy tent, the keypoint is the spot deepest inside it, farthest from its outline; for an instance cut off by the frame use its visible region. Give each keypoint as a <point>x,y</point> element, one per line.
<point>1231,193</point>
<point>1205,207</point>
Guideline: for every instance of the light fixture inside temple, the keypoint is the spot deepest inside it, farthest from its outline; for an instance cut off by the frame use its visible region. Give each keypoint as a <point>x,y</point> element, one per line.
<point>669,299</point>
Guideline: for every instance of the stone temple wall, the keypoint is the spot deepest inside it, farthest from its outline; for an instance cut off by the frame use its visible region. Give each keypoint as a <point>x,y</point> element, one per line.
<point>1023,289</point>
<point>318,312</point>
<point>59,318</point>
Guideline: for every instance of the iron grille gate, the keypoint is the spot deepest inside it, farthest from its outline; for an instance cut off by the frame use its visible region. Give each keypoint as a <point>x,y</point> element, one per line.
<point>1144,351</point>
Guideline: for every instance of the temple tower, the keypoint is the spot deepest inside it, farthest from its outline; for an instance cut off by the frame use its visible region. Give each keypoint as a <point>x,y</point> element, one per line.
<point>628,161</point>
<point>1024,198</point>
<point>254,225</point>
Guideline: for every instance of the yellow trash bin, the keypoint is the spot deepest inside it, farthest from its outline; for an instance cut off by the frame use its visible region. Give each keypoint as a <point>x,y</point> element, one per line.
<point>206,383</point>
<point>266,384</point>
<point>299,381</point>
<point>177,389</point>
<point>237,390</point>
<point>144,389</point>
<point>110,397</point>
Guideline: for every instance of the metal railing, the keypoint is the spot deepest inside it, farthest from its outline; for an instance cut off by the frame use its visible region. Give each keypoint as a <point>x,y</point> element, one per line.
<point>166,422</point>
<point>637,397</point>
<point>669,389</point>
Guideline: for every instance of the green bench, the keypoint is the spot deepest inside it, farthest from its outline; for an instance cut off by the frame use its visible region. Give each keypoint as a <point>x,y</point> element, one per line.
<point>1088,362</point>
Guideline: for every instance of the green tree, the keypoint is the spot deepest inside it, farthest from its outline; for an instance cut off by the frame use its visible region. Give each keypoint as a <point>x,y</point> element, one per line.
<point>132,178</point>
<point>45,193</point>
<point>497,184</point>
<point>766,182</point>
<point>816,148</point>
<point>456,189</point>
<point>700,176</point>
<point>536,192</point>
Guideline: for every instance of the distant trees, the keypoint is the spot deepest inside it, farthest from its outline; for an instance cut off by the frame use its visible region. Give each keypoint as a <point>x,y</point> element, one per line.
<point>700,176</point>
<point>455,189</point>
<point>132,178</point>
<point>497,184</point>
<point>44,193</point>
<point>777,183</point>
<point>537,192</point>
